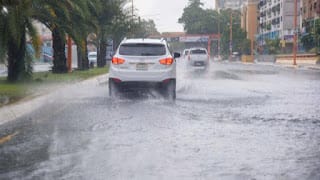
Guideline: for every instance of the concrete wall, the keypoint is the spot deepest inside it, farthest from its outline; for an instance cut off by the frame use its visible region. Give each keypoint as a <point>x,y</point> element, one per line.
<point>300,59</point>
<point>266,58</point>
<point>247,58</point>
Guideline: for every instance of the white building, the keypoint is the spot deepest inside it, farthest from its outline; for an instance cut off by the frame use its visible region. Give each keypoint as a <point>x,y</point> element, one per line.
<point>276,20</point>
<point>228,4</point>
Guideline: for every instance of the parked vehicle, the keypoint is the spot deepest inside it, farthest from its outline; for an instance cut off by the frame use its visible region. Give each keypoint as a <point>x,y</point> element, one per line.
<point>92,56</point>
<point>47,54</point>
<point>236,56</point>
<point>110,51</point>
<point>198,57</point>
<point>141,64</point>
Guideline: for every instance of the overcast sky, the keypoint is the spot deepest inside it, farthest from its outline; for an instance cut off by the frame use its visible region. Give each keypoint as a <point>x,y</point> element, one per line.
<point>165,13</point>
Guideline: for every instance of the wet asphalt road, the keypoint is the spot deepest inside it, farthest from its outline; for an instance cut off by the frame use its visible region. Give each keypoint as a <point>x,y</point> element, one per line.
<point>232,122</point>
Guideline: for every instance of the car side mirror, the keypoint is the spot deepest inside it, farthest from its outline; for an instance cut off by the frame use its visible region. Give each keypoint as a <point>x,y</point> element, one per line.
<point>176,55</point>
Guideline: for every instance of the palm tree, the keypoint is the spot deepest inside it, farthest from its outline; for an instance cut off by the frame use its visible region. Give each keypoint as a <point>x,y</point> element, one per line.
<point>112,21</point>
<point>75,18</point>
<point>15,25</point>
<point>59,17</point>
<point>86,24</point>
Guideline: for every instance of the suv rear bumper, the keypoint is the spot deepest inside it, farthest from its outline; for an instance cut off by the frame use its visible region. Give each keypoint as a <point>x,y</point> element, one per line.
<point>139,85</point>
<point>143,76</point>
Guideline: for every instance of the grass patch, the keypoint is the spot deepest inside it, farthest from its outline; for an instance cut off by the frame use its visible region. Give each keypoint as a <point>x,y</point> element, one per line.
<point>74,76</point>
<point>12,92</point>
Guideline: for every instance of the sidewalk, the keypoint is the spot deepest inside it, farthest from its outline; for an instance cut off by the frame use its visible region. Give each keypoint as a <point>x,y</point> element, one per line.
<point>298,66</point>
<point>302,66</point>
<point>42,96</point>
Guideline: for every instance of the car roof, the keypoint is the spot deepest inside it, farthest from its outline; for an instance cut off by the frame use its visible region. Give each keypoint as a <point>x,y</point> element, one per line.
<point>148,41</point>
<point>198,48</point>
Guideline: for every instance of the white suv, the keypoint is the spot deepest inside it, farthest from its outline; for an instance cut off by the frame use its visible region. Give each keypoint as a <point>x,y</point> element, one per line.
<point>143,63</point>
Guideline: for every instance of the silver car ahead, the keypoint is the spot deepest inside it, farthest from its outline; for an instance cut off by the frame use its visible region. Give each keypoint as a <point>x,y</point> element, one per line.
<point>198,57</point>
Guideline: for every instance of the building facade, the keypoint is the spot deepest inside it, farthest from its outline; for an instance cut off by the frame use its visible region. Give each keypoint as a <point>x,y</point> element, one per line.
<point>228,4</point>
<point>310,14</point>
<point>249,18</point>
<point>276,20</point>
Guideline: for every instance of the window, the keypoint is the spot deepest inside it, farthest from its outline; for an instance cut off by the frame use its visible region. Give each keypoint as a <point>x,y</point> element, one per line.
<point>142,49</point>
<point>198,51</point>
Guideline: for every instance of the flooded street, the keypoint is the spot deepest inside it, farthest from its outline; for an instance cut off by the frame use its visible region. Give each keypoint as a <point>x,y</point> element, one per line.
<point>233,121</point>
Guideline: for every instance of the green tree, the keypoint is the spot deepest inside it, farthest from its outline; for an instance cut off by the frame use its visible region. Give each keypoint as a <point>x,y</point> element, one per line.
<point>273,46</point>
<point>84,24</point>
<point>144,28</point>
<point>197,20</point>
<point>107,18</point>
<point>15,25</point>
<point>62,18</point>
<point>239,40</point>
<point>192,17</point>
<point>311,40</point>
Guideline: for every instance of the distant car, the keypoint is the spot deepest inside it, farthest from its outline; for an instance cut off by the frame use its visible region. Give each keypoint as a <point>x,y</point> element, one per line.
<point>92,56</point>
<point>198,57</point>
<point>47,54</point>
<point>143,63</point>
<point>235,56</point>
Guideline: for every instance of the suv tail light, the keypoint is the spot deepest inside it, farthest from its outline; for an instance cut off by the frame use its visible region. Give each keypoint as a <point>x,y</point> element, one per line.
<point>116,60</point>
<point>116,80</point>
<point>166,61</point>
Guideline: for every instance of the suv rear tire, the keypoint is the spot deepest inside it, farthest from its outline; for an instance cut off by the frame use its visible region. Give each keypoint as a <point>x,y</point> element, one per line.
<point>170,90</point>
<point>113,89</point>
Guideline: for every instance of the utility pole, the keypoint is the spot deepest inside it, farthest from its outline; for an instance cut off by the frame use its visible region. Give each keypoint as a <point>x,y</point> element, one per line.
<point>69,55</point>
<point>230,45</point>
<point>295,33</point>
<point>219,38</point>
<point>132,9</point>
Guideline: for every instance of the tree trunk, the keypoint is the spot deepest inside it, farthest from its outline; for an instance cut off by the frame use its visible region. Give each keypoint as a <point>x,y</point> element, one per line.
<point>82,52</point>
<point>59,55</point>
<point>102,52</point>
<point>79,58</point>
<point>16,60</point>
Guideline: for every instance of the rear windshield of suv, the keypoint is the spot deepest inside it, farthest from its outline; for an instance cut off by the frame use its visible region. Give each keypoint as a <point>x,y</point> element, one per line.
<point>141,49</point>
<point>198,51</point>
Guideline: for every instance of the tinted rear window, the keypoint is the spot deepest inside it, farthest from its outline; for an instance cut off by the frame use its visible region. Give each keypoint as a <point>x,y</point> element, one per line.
<point>142,49</point>
<point>198,51</point>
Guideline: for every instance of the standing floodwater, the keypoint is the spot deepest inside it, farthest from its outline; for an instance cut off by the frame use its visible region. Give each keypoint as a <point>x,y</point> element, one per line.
<point>230,121</point>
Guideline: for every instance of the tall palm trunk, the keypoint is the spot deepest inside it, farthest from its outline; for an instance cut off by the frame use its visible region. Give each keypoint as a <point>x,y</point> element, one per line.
<point>16,59</point>
<point>59,55</point>
<point>102,52</point>
<point>82,52</point>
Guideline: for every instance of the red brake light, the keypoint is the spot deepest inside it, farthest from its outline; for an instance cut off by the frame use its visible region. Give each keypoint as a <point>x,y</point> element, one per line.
<point>116,80</point>
<point>116,60</point>
<point>166,61</point>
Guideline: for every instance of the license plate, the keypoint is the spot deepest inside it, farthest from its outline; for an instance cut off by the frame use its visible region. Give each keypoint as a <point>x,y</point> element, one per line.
<point>142,67</point>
